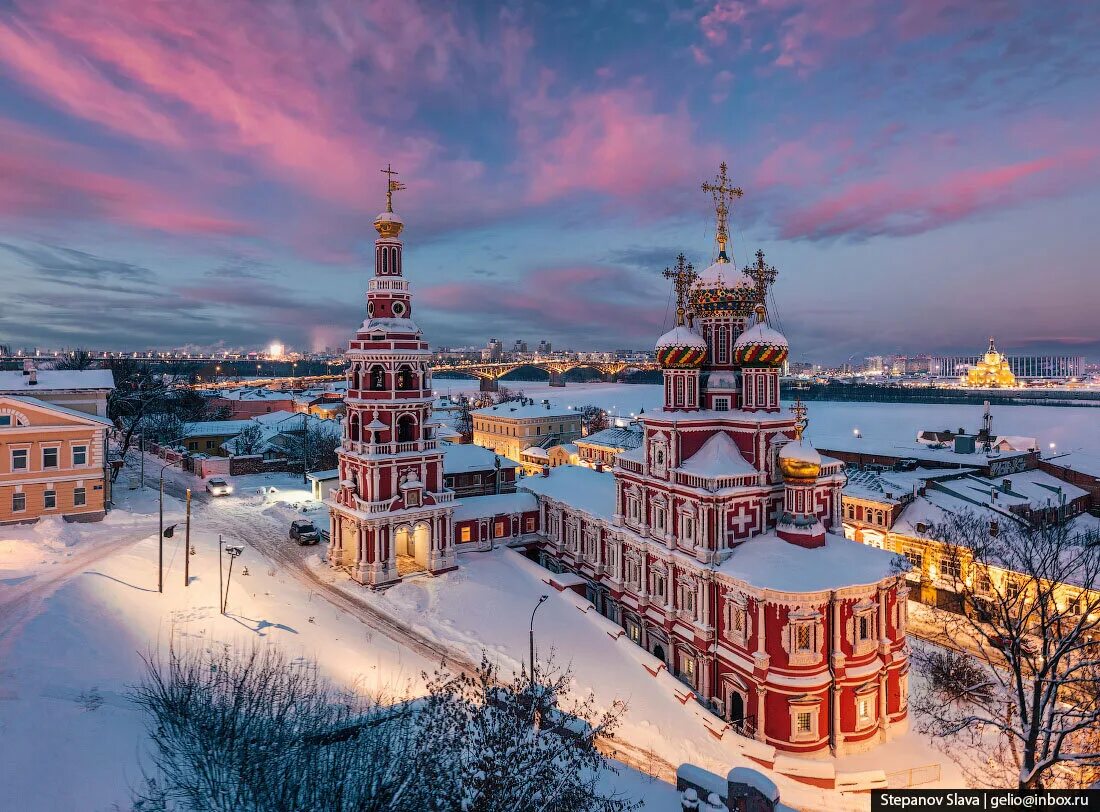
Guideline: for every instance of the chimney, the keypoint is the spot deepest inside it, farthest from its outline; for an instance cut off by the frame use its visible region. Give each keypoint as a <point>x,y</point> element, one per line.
<point>33,380</point>
<point>28,366</point>
<point>546,470</point>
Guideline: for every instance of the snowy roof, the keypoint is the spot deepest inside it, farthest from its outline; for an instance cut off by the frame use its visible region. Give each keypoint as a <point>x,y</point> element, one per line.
<point>917,451</point>
<point>390,326</point>
<point>614,437</point>
<point>323,476</point>
<point>634,455</point>
<point>15,382</point>
<point>890,486</point>
<point>761,333</point>
<point>53,407</point>
<point>582,488</point>
<point>718,456</point>
<point>276,417</point>
<point>214,428</point>
<point>535,451</point>
<point>1080,461</point>
<point>466,458</point>
<point>681,336</point>
<point>253,394</point>
<point>514,410</point>
<point>481,507</point>
<point>770,562</point>
<point>723,274</point>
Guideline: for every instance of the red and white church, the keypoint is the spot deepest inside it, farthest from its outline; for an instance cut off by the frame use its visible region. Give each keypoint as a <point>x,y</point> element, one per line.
<point>711,543</point>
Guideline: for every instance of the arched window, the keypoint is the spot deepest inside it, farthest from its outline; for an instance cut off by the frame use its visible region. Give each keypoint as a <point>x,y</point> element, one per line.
<point>385,269</point>
<point>377,378</point>
<point>405,377</point>
<point>353,428</point>
<point>406,428</point>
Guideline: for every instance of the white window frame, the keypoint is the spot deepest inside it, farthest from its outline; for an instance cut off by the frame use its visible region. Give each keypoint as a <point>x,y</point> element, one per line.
<point>57,457</point>
<point>83,450</point>
<point>82,499</point>
<point>18,496</point>
<point>49,495</point>
<point>797,708</point>
<point>26,455</point>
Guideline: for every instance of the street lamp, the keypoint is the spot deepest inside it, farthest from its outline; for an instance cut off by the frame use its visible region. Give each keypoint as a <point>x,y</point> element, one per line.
<point>858,434</point>
<point>232,550</point>
<point>542,600</point>
<point>160,559</point>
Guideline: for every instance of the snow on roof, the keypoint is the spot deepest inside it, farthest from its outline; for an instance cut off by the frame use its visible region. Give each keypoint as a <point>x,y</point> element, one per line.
<point>712,416</point>
<point>761,333</point>
<point>634,455</point>
<point>214,428</point>
<point>917,451</point>
<point>466,458</point>
<point>890,486</point>
<point>53,407</point>
<point>624,438</point>
<point>514,410</point>
<point>724,274</point>
<point>681,336</point>
<point>718,456</point>
<point>276,417</point>
<point>481,507</point>
<point>769,561</point>
<point>1080,461</point>
<point>755,779</point>
<point>253,394</point>
<point>800,450</point>
<point>581,488</point>
<point>15,382</point>
<point>535,451</point>
<point>323,476</point>
<point>390,326</point>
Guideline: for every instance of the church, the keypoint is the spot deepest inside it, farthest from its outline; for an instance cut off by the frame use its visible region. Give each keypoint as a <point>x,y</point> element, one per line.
<point>711,544</point>
<point>992,371</point>
<point>717,545</point>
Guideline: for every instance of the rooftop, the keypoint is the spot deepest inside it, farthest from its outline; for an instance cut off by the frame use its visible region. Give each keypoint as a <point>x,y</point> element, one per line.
<point>15,382</point>
<point>515,410</point>
<point>581,488</point>
<point>718,457</point>
<point>615,437</point>
<point>917,451</point>
<point>465,458</point>
<point>53,407</point>
<point>481,507</point>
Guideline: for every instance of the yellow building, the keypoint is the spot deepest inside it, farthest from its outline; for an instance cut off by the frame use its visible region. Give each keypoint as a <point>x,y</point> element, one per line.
<point>509,428</point>
<point>991,371</point>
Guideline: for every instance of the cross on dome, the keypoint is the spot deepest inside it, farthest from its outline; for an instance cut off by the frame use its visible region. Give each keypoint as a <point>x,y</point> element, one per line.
<point>721,191</point>
<point>798,408</point>
<point>391,185</point>
<point>762,274</point>
<point>684,277</point>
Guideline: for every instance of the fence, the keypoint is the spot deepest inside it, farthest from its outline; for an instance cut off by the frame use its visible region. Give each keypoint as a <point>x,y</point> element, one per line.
<point>913,777</point>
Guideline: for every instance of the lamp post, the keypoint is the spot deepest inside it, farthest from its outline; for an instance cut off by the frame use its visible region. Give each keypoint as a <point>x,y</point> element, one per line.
<point>542,600</point>
<point>160,540</point>
<point>857,434</point>
<point>232,551</point>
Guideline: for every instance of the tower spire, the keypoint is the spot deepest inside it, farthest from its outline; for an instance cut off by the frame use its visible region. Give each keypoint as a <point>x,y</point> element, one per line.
<point>391,185</point>
<point>723,194</point>
<point>763,275</point>
<point>684,276</point>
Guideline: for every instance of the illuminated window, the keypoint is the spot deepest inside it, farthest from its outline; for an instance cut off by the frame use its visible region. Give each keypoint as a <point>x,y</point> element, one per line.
<point>465,534</point>
<point>863,707</point>
<point>498,530</point>
<point>804,722</point>
<point>18,502</point>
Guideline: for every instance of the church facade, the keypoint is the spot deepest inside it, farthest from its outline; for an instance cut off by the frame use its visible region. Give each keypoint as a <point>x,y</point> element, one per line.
<point>717,553</point>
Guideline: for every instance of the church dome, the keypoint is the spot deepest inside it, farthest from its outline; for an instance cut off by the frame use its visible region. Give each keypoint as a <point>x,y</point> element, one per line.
<point>722,290</point>
<point>681,348</point>
<point>760,345</point>
<point>388,224</point>
<point>799,460</point>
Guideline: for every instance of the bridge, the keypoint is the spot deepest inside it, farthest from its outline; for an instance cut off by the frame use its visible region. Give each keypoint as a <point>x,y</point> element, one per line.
<point>490,372</point>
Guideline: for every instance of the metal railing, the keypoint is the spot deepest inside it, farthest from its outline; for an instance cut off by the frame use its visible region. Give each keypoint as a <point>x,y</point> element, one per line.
<point>913,777</point>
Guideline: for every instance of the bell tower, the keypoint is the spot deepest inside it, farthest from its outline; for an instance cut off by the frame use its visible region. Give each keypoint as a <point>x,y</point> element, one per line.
<point>391,513</point>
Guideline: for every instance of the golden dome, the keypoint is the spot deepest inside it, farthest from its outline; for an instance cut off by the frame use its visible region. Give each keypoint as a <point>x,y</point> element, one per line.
<point>388,224</point>
<point>798,461</point>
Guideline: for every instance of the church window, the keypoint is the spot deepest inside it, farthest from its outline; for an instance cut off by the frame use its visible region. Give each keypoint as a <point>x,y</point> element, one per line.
<point>405,377</point>
<point>864,627</point>
<point>721,342</point>
<point>406,429</point>
<point>385,262</point>
<point>804,722</point>
<point>687,528</point>
<point>802,637</point>
<point>659,519</point>
<point>377,378</point>
<point>679,401</point>
<point>399,309</point>
<point>634,631</point>
<point>721,404</point>
<point>863,707</point>
<point>658,585</point>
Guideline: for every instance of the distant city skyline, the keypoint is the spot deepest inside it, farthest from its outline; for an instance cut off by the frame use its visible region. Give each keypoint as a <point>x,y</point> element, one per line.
<point>923,175</point>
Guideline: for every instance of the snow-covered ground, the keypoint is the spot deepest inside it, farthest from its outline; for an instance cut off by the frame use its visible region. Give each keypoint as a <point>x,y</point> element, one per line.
<point>79,607</point>
<point>1070,428</point>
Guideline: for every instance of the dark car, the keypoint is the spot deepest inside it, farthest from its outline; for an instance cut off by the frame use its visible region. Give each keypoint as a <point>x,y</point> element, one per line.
<point>303,531</point>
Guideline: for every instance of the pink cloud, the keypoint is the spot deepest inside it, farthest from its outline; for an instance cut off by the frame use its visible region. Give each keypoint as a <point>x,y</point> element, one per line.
<point>41,180</point>
<point>723,15</point>
<point>613,142</point>
<point>892,206</point>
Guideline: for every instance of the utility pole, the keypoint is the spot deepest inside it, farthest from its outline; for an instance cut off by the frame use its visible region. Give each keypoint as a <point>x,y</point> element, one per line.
<point>232,551</point>
<point>187,544</point>
<point>221,589</point>
<point>160,539</point>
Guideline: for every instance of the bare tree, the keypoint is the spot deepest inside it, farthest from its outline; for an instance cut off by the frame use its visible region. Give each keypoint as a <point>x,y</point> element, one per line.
<point>506,395</point>
<point>464,420</point>
<point>138,393</point>
<point>77,359</point>
<point>594,419</point>
<point>1030,601</point>
<point>248,441</point>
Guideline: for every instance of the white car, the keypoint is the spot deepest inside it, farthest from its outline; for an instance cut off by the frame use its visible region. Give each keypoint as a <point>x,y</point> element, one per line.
<point>218,487</point>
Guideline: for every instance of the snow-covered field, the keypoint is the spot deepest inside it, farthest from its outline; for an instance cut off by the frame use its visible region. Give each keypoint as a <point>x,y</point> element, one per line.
<point>1070,428</point>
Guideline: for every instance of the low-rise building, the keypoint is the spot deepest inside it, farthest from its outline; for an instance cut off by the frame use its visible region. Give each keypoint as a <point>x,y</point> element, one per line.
<point>470,470</point>
<point>503,517</point>
<point>509,428</point>
<point>83,390</point>
<point>601,448</point>
<point>1079,469</point>
<point>53,461</point>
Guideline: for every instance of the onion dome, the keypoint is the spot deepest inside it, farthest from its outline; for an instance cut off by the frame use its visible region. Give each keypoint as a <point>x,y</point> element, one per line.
<point>722,290</point>
<point>760,345</point>
<point>799,460</point>
<point>681,348</point>
<point>388,224</point>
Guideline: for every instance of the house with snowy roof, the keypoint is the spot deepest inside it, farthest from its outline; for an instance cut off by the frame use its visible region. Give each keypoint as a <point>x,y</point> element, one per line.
<point>602,447</point>
<point>84,390</point>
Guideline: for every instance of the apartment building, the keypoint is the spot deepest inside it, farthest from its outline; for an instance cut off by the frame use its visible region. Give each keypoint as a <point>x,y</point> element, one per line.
<point>53,461</point>
<point>509,428</point>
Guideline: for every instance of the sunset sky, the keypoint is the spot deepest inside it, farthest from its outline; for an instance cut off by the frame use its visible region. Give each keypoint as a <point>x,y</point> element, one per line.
<point>923,174</point>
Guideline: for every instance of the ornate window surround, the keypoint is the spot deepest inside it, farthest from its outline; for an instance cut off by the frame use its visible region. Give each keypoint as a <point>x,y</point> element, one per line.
<point>809,619</point>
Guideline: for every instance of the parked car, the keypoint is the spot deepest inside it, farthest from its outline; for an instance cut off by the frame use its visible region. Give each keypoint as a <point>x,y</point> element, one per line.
<point>303,532</point>
<point>218,487</point>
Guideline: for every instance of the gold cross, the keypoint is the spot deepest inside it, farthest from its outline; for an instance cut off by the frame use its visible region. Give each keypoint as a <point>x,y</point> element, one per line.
<point>684,276</point>
<point>391,185</point>
<point>722,192</point>
<point>762,274</point>
<point>798,409</point>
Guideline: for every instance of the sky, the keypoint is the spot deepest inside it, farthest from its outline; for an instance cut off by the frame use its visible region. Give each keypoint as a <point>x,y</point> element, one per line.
<point>205,173</point>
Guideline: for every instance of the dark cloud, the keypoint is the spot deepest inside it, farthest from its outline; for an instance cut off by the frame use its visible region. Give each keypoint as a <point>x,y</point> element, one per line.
<point>69,264</point>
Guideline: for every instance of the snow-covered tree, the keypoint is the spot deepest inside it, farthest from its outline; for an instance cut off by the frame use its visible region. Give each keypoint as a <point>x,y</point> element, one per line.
<point>594,419</point>
<point>1031,620</point>
<point>490,744</point>
<point>248,441</point>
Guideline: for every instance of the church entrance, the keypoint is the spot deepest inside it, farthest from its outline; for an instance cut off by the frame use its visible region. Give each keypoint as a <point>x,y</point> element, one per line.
<point>737,709</point>
<point>659,653</point>
<point>410,546</point>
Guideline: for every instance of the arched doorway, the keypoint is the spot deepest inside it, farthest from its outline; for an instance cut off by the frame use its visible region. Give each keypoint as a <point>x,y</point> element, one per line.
<point>659,653</point>
<point>421,544</point>
<point>401,541</point>
<point>737,709</point>
<point>406,428</point>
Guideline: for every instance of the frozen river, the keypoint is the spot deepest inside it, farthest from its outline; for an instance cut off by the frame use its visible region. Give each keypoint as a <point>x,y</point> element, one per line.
<point>1069,428</point>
